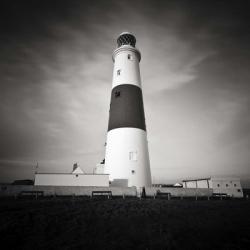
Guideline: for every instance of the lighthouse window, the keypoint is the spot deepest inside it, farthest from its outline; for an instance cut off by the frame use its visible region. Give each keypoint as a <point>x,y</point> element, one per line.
<point>117,93</point>
<point>130,57</point>
<point>133,156</point>
<point>133,171</point>
<point>118,72</point>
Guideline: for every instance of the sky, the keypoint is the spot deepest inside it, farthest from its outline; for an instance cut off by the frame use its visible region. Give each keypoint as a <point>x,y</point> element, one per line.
<point>56,77</point>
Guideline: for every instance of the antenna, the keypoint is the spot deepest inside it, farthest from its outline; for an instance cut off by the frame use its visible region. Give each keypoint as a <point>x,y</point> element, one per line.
<point>36,168</point>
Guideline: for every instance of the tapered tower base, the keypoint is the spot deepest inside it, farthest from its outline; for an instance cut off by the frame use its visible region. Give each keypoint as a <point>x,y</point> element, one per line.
<point>127,156</point>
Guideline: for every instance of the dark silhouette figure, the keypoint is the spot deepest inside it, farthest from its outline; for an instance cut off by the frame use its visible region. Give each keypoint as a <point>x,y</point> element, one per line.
<point>143,193</point>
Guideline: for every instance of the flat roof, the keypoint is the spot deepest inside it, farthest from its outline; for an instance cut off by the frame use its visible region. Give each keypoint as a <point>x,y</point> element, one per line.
<point>200,179</point>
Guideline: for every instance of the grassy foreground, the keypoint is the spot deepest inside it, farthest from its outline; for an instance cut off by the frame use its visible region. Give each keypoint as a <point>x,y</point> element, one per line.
<point>80,223</point>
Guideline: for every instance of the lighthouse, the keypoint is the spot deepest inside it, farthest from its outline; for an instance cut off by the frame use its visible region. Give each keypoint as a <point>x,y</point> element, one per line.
<point>127,156</point>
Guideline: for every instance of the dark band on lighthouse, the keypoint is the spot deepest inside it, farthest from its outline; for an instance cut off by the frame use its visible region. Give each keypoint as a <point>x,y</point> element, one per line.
<point>126,108</point>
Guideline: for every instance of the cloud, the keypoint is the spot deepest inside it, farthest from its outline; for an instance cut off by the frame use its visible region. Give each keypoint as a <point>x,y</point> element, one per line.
<point>55,80</point>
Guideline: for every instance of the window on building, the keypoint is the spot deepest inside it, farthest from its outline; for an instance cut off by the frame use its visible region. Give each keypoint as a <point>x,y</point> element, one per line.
<point>133,156</point>
<point>235,185</point>
<point>226,185</point>
<point>129,57</point>
<point>133,171</point>
<point>218,185</point>
<point>239,190</point>
<point>118,72</point>
<point>117,93</point>
<point>76,175</point>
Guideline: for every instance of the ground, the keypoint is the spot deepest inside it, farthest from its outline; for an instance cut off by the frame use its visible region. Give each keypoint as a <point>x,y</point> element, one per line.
<point>83,223</point>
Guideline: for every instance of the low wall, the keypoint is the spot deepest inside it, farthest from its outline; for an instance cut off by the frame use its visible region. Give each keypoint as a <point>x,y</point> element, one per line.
<point>181,192</point>
<point>12,190</point>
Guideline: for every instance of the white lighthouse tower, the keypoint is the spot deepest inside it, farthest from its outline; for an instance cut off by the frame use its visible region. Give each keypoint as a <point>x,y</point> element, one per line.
<point>127,147</point>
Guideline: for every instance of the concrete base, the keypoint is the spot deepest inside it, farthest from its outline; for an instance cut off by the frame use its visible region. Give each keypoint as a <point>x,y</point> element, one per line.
<point>180,192</point>
<point>15,190</point>
<point>12,190</point>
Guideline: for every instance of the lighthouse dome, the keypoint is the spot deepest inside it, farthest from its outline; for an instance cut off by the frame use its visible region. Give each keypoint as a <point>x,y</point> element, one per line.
<point>126,38</point>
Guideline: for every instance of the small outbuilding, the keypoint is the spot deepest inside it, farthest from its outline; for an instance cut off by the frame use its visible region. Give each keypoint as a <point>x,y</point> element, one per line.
<point>228,186</point>
<point>76,178</point>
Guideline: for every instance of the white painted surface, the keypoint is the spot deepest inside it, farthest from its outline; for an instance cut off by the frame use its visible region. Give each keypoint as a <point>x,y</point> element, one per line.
<point>78,170</point>
<point>190,184</point>
<point>118,163</point>
<point>177,185</point>
<point>220,185</point>
<point>228,185</point>
<point>180,192</point>
<point>71,180</point>
<point>197,184</point>
<point>99,169</point>
<point>129,68</point>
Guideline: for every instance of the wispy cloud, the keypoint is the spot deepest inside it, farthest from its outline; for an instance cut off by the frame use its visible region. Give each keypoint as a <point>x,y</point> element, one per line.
<point>55,82</point>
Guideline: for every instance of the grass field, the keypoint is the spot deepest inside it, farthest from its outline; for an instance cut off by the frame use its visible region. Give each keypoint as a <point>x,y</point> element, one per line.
<point>81,223</point>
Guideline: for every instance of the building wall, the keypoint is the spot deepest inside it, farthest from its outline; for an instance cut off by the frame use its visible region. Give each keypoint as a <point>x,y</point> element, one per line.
<point>12,190</point>
<point>220,185</point>
<point>197,184</point>
<point>203,184</point>
<point>230,186</point>
<point>99,169</point>
<point>180,192</point>
<point>71,180</point>
<point>190,184</point>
